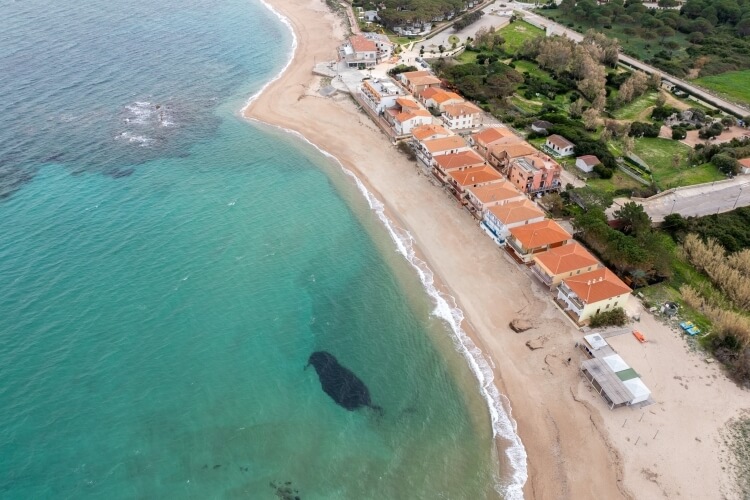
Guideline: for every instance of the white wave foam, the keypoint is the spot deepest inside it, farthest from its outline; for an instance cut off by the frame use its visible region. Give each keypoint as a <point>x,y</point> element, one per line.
<point>138,139</point>
<point>140,112</point>
<point>503,424</point>
<point>292,52</point>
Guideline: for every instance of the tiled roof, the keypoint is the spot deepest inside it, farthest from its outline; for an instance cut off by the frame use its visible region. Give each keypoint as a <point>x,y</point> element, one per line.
<point>424,131</point>
<point>412,113</point>
<point>362,44</point>
<point>595,286</point>
<point>461,108</point>
<point>458,160</point>
<point>445,143</point>
<point>497,192</point>
<point>513,150</point>
<point>559,141</point>
<point>476,175</point>
<point>539,234</point>
<point>589,160</point>
<point>565,259</point>
<point>424,80</point>
<point>490,135</point>
<point>517,211</point>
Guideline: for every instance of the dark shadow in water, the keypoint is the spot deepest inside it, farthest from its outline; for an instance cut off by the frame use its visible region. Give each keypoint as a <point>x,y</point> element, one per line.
<point>340,383</point>
<point>285,491</point>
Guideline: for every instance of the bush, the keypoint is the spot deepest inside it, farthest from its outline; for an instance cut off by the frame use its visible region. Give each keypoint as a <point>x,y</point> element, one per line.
<point>661,113</point>
<point>679,133</point>
<point>615,317</point>
<point>640,129</point>
<point>602,171</point>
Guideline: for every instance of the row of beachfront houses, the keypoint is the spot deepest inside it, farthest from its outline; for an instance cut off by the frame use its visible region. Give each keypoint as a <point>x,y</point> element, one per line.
<point>496,175</point>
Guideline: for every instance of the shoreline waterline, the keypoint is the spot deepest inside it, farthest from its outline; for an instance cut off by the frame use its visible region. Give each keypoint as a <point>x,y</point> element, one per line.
<point>504,427</point>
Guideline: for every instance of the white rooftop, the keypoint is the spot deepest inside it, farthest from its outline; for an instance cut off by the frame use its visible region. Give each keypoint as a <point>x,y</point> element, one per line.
<point>616,363</point>
<point>596,341</point>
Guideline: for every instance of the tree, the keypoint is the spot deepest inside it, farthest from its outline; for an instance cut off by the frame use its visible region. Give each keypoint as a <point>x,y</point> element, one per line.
<point>675,225</point>
<point>576,108</point>
<point>664,32</point>
<point>634,218</point>
<point>590,119</point>
<point>555,54</point>
<point>628,144</point>
<point>743,27</point>
<point>725,164</point>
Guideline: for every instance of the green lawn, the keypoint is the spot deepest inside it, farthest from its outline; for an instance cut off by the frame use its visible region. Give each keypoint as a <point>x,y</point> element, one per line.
<point>637,109</point>
<point>467,57</point>
<point>658,154</point>
<point>733,84</point>
<point>617,182</point>
<point>516,33</point>
<point>524,66</point>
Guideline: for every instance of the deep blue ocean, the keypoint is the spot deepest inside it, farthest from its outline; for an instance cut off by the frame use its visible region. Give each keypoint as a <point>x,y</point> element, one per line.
<point>167,268</point>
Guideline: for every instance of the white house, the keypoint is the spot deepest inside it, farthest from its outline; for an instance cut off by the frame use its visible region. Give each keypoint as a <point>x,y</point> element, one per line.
<point>380,94</point>
<point>464,115</point>
<point>560,145</point>
<point>587,162</point>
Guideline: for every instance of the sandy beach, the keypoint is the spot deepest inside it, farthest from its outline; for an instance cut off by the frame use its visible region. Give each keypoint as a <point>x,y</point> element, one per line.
<point>576,447</point>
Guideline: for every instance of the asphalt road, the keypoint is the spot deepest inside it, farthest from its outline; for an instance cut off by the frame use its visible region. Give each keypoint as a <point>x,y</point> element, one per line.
<point>558,29</point>
<point>704,199</point>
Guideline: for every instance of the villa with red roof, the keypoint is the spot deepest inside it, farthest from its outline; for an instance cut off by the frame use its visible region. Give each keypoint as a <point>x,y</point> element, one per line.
<point>552,266</point>
<point>559,145</point>
<point>500,155</point>
<point>492,136</point>
<point>431,131</point>
<point>591,293</point>
<point>437,98</point>
<point>443,164</point>
<point>405,115</point>
<point>428,150</point>
<point>417,81</point>
<point>473,177</point>
<point>491,195</point>
<point>500,219</point>
<point>530,239</point>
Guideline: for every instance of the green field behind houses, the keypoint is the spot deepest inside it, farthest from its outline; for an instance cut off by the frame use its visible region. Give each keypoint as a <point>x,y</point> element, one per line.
<point>734,85</point>
<point>516,33</point>
<point>659,153</point>
<point>637,110</point>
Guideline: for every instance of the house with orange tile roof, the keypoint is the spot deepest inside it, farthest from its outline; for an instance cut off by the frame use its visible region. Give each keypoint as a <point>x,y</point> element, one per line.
<point>462,116</point>
<point>526,241</point>
<point>537,173</point>
<point>491,195</point>
<point>472,177</point>
<point>744,165</point>
<point>592,293</point>
<point>380,93</point>
<point>406,114</point>
<point>500,155</point>
<point>437,98</point>
<point>417,81</point>
<point>488,137</point>
<point>500,219</point>
<point>359,52</point>
<point>431,131</point>
<point>566,261</point>
<point>443,164</point>
<point>428,150</point>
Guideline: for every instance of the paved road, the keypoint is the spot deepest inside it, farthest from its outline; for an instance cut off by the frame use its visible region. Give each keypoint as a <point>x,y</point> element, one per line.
<point>696,201</point>
<point>558,29</point>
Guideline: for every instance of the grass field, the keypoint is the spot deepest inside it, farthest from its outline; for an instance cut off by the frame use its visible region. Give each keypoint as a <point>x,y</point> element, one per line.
<point>658,154</point>
<point>467,57</point>
<point>516,33</point>
<point>638,109</point>
<point>617,182</point>
<point>642,49</point>
<point>733,84</point>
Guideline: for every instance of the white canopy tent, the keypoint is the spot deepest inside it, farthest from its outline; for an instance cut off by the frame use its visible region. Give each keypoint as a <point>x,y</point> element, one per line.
<point>638,389</point>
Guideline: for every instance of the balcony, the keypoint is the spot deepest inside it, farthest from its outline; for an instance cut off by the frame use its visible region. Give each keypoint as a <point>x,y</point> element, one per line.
<point>570,298</point>
<point>517,247</point>
<point>541,275</point>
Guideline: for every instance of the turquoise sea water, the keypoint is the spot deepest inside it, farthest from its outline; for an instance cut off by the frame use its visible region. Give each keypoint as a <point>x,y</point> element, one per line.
<point>166,269</point>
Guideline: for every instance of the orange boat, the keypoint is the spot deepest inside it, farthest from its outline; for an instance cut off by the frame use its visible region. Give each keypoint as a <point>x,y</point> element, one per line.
<point>641,338</point>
